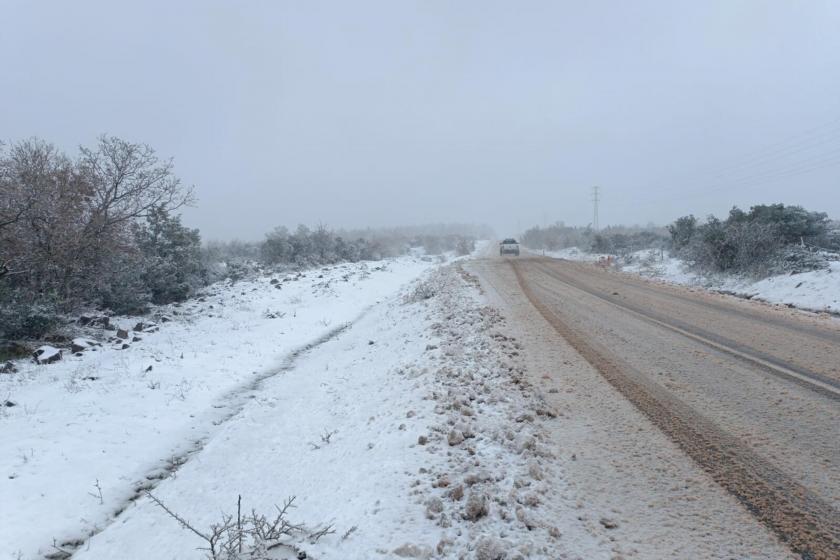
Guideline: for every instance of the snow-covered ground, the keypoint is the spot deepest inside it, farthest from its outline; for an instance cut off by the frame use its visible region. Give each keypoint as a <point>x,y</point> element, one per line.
<point>385,398</point>
<point>397,433</point>
<point>572,254</point>
<point>83,437</point>
<point>389,399</point>
<point>817,291</point>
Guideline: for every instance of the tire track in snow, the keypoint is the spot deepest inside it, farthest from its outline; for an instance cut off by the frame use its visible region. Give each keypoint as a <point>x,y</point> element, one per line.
<point>236,399</point>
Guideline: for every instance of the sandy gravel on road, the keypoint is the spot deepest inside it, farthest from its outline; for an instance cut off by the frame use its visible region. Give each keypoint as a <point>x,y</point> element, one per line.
<point>636,490</point>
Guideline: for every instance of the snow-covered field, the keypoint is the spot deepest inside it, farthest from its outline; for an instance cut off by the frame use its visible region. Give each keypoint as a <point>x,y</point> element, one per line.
<point>817,291</point>
<point>84,436</point>
<point>396,434</point>
<point>385,398</point>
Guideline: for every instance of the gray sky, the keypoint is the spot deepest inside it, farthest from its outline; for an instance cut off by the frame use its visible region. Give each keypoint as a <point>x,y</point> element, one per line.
<point>384,113</point>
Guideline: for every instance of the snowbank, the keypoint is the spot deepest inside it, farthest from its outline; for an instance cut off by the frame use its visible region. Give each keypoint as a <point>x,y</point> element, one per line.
<point>90,432</point>
<point>817,291</point>
<point>573,254</point>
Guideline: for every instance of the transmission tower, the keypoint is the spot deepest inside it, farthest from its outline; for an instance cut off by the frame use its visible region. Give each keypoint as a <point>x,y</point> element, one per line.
<point>595,199</point>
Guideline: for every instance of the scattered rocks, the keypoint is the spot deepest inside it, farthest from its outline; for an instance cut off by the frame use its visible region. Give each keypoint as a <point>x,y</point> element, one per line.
<point>609,523</point>
<point>493,422</point>
<point>456,494</point>
<point>434,506</point>
<point>8,367</point>
<point>122,333</point>
<point>455,437</point>
<point>524,517</point>
<point>476,506</point>
<point>82,344</point>
<point>422,440</point>
<point>441,482</point>
<point>46,355</point>
<point>413,551</point>
<point>491,548</point>
<point>101,321</point>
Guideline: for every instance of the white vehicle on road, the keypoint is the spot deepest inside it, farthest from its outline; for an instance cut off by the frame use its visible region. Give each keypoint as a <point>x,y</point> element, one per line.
<point>509,247</point>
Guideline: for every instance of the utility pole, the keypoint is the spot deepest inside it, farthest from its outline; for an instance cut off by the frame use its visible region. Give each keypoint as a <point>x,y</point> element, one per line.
<point>595,199</point>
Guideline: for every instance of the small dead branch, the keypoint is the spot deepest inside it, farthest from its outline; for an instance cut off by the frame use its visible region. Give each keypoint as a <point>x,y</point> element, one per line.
<point>184,523</point>
<point>322,532</point>
<point>98,493</point>
<point>251,537</point>
<point>325,439</point>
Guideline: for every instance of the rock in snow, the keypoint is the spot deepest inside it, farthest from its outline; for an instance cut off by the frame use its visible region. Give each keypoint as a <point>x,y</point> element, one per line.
<point>82,344</point>
<point>46,355</point>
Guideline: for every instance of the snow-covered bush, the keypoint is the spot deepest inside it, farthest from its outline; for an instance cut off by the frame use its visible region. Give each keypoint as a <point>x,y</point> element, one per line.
<point>92,230</point>
<point>171,254</point>
<point>796,259</point>
<point>769,239</point>
<point>23,319</point>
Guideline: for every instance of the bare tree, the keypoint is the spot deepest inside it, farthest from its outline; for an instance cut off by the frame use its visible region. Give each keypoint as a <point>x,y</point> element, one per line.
<point>128,181</point>
<point>67,225</point>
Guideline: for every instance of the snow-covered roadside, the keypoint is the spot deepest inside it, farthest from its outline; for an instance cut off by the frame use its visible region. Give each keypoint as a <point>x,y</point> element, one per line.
<point>412,433</point>
<point>572,254</point>
<point>82,436</point>
<point>817,291</point>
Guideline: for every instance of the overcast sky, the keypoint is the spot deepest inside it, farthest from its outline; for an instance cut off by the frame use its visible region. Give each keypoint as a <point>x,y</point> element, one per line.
<point>361,113</point>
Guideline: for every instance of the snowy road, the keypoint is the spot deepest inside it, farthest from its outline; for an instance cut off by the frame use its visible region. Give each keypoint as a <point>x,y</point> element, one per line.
<point>749,392</point>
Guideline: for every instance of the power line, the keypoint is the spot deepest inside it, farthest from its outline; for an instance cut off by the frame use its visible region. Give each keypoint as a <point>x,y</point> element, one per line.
<point>810,138</point>
<point>774,162</point>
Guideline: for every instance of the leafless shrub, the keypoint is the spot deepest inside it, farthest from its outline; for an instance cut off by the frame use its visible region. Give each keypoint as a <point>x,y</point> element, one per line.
<point>421,292</point>
<point>326,437</point>
<point>251,536</point>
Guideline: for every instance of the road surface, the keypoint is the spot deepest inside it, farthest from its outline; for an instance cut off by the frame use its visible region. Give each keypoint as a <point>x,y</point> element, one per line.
<point>744,398</point>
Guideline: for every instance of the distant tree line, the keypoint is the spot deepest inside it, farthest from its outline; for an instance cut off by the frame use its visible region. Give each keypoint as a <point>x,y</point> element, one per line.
<point>319,246</point>
<point>306,247</point>
<point>767,239</point>
<point>617,240</point>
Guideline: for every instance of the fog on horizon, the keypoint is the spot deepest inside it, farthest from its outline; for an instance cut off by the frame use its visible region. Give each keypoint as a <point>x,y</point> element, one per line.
<point>371,114</point>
